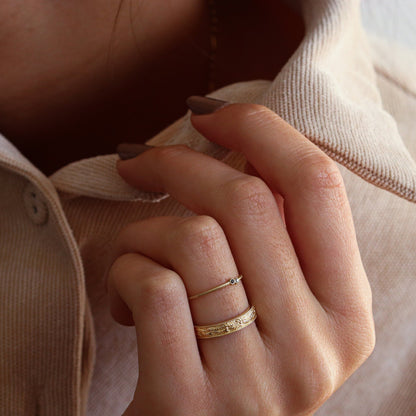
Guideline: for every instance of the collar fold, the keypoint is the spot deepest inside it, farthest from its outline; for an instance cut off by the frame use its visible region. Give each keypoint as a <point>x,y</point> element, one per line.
<point>327,91</point>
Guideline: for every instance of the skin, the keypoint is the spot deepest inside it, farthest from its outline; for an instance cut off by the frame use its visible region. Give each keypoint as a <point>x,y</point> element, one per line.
<point>77,79</point>
<point>301,265</point>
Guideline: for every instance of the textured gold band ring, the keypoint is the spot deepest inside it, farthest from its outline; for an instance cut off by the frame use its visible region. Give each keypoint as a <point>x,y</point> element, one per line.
<point>226,327</point>
<point>232,281</point>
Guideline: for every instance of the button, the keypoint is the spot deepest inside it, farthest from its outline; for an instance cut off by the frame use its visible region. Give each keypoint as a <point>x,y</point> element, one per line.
<point>35,204</point>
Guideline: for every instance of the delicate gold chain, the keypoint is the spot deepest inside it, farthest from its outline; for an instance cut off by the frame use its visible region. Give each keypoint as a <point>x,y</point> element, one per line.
<point>232,281</point>
<point>213,44</point>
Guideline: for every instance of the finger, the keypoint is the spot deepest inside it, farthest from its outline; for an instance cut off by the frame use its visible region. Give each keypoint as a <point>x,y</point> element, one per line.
<point>317,211</point>
<point>196,248</point>
<point>247,212</point>
<point>249,169</point>
<point>167,350</point>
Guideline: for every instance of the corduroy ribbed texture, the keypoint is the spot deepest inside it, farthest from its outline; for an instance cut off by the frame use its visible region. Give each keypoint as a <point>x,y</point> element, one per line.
<point>55,327</point>
<point>42,311</point>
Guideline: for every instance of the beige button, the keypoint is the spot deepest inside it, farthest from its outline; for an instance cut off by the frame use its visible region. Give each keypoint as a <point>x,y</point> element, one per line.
<point>35,204</point>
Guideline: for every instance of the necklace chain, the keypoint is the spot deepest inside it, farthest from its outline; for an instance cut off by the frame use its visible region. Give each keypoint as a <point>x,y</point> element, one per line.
<point>213,44</point>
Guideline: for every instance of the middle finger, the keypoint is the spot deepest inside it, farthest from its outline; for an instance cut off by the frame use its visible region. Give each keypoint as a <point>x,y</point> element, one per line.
<point>247,212</point>
<point>197,250</point>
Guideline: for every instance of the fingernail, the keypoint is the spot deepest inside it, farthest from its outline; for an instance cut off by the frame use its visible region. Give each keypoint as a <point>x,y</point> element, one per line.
<point>204,105</point>
<point>130,150</point>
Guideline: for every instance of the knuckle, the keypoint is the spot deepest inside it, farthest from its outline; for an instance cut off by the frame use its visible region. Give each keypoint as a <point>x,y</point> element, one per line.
<point>123,270</point>
<point>123,242</point>
<point>257,405</point>
<point>321,389</point>
<point>124,237</point>
<point>367,341</point>
<point>261,395</point>
<point>318,385</point>
<point>314,379</point>
<point>249,198</point>
<point>360,341</point>
<point>321,179</point>
<point>200,234</point>
<point>355,333</point>
<point>161,291</point>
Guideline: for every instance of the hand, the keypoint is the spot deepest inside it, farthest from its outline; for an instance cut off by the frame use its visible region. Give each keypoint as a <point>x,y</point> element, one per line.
<point>302,272</point>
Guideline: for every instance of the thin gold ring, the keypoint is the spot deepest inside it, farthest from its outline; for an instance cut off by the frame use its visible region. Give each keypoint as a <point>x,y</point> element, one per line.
<point>226,327</point>
<point>232,281</point>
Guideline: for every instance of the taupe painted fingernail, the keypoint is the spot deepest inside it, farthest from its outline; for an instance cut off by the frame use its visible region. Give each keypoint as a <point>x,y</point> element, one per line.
<point>129,150</point>
<point>204,105</point>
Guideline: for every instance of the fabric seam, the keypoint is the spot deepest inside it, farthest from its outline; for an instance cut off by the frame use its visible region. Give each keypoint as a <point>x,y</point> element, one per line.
<point>366,173</point>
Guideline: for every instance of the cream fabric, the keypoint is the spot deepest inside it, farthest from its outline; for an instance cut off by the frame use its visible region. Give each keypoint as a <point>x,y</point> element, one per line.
<point>60,351</point>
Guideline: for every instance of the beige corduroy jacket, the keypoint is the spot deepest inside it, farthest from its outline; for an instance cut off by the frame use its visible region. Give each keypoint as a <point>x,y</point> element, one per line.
<point>62,354</point>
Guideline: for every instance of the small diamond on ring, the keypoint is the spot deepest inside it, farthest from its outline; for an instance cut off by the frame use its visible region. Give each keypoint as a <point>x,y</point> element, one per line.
<point>233,281</point>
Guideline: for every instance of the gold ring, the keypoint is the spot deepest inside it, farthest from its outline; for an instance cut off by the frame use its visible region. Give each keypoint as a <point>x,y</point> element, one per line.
<point>226,327</point>
<point>232,281</point>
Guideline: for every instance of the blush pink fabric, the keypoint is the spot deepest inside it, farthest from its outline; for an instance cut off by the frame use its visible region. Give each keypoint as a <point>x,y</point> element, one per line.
<point>61,353</point>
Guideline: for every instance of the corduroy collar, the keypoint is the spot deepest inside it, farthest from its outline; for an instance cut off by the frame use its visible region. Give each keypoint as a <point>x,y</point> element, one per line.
<point>327,91</point>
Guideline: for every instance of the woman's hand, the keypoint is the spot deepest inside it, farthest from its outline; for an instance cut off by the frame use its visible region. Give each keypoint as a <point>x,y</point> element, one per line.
<point>303,273</point>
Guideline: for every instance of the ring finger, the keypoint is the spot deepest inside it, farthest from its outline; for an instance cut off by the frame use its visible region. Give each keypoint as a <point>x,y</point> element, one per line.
<point>196,248</point>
